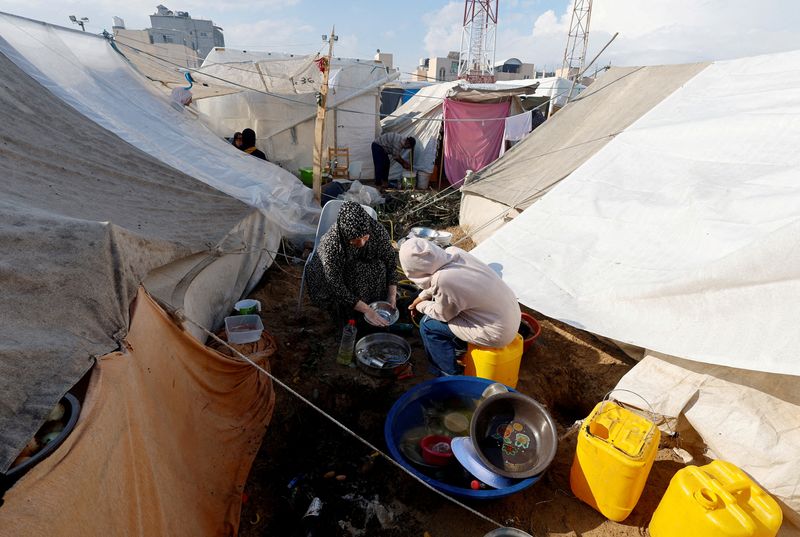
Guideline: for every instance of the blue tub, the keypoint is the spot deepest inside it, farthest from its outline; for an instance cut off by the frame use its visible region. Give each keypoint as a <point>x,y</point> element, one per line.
<point>406,412</point>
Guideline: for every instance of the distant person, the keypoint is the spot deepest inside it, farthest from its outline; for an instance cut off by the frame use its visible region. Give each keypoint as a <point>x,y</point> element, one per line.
<point>463,301</point>
<point>237,140</point>
<point>387,147</point>
<point>249,144</point>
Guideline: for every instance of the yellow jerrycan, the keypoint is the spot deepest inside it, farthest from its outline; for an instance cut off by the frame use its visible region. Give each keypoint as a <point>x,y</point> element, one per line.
<point>716,500</point>
<point>499,365</point>
<point>616,449</point>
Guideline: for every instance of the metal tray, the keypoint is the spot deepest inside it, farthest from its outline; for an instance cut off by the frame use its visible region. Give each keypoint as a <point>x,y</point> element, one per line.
<point>381,353</point>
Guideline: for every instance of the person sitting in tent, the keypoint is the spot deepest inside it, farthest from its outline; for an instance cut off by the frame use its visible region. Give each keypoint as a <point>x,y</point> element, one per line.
<point>249,144</point>
<point>463,301</point>
<point>354,265</point>
<point>237,140</point>
<point>386,147</point>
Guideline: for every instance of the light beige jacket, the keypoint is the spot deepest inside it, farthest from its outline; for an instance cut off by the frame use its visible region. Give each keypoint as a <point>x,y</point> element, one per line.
<point>462,291</point>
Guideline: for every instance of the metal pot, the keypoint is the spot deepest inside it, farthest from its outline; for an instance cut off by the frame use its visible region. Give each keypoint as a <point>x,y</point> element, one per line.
<point>381,354</point>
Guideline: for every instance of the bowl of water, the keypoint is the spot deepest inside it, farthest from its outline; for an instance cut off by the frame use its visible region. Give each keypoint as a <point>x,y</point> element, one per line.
<point>385,310</point>
<point>420,412</point>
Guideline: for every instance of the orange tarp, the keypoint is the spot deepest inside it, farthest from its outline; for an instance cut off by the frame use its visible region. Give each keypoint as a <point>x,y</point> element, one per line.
<point>163,446</point>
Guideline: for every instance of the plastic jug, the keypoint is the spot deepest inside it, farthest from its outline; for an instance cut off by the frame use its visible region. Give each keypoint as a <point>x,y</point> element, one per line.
<point>500,365</point>
<point>345,356</point>
<point>616,449</point>
<point>716,500</point>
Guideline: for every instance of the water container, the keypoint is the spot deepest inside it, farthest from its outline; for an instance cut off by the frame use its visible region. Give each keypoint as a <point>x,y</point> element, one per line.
<point>500,365</point>
<point>716,500</point>
<point>616,449</point>
<point>345,356</point>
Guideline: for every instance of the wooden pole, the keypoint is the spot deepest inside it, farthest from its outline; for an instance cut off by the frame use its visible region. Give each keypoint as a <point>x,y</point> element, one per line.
<point>319,128</point>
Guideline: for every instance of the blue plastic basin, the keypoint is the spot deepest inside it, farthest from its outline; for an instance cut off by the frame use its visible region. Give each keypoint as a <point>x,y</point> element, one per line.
<point>406,413</point>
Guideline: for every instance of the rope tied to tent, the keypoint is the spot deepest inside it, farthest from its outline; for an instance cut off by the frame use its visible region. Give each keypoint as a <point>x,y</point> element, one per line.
<point>180,315</point>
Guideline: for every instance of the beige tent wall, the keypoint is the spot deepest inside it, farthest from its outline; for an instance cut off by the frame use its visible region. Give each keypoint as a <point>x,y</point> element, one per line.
<point>480,217</point>
<point>166,438</point>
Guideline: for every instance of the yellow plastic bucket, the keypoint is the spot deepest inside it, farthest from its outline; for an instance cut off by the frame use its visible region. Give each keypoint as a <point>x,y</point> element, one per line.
<point>500,365</point>
<point>715,500</point>
<point>616,449</point>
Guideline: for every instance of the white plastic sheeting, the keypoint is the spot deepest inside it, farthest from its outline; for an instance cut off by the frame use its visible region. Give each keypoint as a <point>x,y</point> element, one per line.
<point>279,103</point>
<point>680,235</point>
<point>88,74</point>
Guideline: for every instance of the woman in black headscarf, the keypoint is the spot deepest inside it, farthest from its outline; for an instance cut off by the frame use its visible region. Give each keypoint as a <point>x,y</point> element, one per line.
<point>354,265</point>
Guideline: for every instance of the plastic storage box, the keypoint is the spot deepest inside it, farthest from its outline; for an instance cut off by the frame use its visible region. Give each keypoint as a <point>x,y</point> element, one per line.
<point>243,328</point>
<point>616,449</point>
<point>716,500</point>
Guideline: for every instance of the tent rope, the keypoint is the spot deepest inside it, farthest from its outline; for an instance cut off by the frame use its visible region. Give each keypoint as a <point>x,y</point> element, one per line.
<point>180,315</point>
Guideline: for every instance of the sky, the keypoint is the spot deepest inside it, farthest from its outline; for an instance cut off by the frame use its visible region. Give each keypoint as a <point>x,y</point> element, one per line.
<point>535,31</point>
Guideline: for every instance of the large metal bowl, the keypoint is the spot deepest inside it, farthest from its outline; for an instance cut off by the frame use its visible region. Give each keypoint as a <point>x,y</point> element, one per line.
<point>514,435</point>
<point>423,233</point>
<point>380,354</point>
<point>385,310</point>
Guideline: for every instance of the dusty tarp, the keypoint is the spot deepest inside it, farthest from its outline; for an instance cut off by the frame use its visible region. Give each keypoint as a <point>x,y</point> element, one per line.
<point>164,444</point>
<point>84,217</point>
<point>560,145</point>
<point>472,136</point>
<point>87,73</point>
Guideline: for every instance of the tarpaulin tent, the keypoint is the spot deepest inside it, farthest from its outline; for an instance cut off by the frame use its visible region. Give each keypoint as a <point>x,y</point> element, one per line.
<point>423,114</point>
<point>666,218</point>
<point>279,103</point>
<point>90,75</point>
<point>95,204</point>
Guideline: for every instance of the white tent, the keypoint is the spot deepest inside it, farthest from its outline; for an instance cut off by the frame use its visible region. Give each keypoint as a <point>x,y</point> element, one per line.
<point>676,233</point>
<point>279,103</point>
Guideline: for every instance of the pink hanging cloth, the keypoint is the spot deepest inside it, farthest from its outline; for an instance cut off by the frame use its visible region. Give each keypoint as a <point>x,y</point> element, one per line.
<point>472,145</point>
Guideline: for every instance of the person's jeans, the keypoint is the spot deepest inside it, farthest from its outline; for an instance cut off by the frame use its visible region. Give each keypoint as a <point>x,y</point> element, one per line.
<point>381,162</point>
<point>441,346</point>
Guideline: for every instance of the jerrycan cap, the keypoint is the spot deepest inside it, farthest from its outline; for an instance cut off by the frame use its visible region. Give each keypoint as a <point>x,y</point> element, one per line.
<point>707,498</point>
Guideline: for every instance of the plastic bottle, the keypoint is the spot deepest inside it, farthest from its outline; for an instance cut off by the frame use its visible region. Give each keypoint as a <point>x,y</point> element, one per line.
<point>310,525</point>
<point>345,356</point>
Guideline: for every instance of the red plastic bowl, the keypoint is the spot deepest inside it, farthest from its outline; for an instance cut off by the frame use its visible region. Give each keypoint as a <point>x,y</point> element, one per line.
<point>529,329</point>
<point>432,455</point>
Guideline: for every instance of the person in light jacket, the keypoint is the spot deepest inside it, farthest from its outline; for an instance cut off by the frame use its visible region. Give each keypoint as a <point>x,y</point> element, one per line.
<point>462,299</point>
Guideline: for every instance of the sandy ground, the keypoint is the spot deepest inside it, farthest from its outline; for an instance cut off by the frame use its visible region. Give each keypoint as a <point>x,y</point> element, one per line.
<point>566,369</point>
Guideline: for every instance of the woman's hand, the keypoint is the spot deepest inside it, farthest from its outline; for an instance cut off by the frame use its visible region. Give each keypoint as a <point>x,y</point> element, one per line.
<point>372,316</point>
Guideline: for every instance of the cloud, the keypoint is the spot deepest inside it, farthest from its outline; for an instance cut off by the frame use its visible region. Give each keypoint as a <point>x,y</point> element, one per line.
<point>444,29</point>
<point>272,34</point>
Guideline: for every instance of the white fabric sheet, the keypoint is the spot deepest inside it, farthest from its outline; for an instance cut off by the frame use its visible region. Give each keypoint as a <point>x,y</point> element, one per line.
<point>517,128</point>
<point>680,235</point>
<point>83,70</point>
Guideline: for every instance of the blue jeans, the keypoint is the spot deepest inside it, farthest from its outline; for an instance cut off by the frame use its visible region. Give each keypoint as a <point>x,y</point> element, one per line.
<point>441,346</point>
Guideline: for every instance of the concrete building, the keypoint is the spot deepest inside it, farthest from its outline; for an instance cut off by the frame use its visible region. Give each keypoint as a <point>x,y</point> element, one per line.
<point>446,69</point>
<point>514,69</point>
<point>178,54</point>
<point>437,69</point>
<point>200,35</point>
<point>385,58</point>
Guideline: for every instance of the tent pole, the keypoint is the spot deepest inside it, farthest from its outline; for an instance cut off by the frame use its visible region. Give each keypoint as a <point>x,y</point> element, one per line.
<point>319,128</point>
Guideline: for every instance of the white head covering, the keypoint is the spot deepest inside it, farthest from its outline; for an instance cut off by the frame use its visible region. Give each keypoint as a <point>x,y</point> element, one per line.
<point>420,259</point>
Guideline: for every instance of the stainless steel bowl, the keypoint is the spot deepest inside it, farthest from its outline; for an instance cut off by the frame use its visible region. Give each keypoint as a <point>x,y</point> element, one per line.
<point>385,310</point>
<point>443,238</point>
<point>380,354</point>
<point>423,233</point>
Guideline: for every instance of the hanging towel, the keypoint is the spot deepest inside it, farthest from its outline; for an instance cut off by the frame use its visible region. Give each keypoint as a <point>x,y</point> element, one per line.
<point>517,128</point>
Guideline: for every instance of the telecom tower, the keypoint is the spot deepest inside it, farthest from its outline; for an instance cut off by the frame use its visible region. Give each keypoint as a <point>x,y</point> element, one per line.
<point>478,39</point>
<point>577,40</point>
